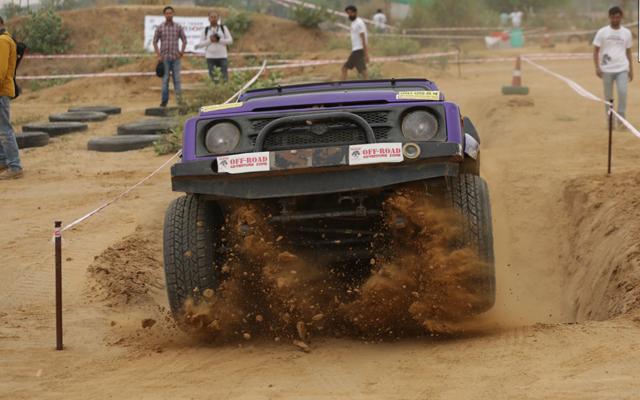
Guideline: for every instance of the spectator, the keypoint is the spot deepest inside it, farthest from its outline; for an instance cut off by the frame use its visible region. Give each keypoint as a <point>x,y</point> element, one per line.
<point>169,33</point>
<point>10,167</point>
<point>516,17</point>
<point>612,58</point>
<point>215,39</point>
<point>504,19</point>
<point>380,21</point>
<point>359,48</point>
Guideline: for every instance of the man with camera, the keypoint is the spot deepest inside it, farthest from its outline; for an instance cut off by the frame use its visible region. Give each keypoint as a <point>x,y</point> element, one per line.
<point>215,39</point>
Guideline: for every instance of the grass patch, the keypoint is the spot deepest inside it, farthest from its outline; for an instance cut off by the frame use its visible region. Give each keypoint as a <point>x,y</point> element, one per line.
<point>394,46</point>
<point>36,85</point>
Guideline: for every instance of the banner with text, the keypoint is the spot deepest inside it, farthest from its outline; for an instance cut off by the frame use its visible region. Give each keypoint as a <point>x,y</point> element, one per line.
<point>193,27</point>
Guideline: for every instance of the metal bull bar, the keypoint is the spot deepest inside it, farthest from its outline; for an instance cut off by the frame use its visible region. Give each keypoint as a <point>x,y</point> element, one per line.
<point>324,116</point>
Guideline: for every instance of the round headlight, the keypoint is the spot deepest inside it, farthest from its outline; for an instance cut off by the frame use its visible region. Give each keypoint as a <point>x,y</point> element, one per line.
<point>222,138</point>
<point>420,125</point>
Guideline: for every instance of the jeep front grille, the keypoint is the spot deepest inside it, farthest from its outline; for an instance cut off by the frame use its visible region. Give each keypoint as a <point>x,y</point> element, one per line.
<point>337,135</point>
<point>372,118</point>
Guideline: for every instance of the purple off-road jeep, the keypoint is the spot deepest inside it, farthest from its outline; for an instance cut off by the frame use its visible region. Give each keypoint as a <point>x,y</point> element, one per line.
<point>320,160</point>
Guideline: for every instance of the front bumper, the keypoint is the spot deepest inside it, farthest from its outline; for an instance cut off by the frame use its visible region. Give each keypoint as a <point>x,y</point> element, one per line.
<point>314,171</point>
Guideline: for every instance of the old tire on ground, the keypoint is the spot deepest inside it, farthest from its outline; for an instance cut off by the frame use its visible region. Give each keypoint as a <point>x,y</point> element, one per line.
<point>103,109</point>
<point>55,128</point>
<point>469,195</point>
<point>191,231</point>
<point>515,90</point>
<point>79,116</point>
<point>148,127</point>
<point>121,143</point>
<point>161,111</point>
<point>32,139</point>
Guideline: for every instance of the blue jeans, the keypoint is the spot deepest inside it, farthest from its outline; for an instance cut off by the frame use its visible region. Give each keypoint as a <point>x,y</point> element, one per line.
<point>173,67</point>
<point>9,155</point>
<point>221,63</point>
<point>622,82</point>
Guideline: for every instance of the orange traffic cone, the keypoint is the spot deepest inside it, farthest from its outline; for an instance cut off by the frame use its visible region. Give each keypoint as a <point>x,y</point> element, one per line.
<point>516,87</point>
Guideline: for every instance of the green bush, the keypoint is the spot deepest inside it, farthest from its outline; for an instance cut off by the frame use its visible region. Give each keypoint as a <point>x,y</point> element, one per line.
<point>43,33</point>
<point>395,46</point>
<point>238,22</point>
<point>311,17</point>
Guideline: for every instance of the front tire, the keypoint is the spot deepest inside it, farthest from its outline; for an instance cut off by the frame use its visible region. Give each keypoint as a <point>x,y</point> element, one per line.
<point>469,195</point>
<point>191,235</point>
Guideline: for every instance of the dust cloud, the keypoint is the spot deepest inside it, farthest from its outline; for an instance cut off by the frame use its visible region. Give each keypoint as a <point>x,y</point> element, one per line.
<point>421,282</point>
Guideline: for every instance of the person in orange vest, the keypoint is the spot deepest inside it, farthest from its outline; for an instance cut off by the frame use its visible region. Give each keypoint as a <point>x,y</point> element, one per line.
<point>10,166</point>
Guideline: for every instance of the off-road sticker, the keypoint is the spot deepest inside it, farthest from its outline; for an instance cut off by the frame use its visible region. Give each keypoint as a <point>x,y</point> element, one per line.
<point>375,153</point>
<point>217,107</point>
<point>429,95</point>
<point>244,163</point>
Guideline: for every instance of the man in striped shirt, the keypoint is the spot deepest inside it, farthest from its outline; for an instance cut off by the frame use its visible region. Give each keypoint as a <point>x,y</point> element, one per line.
<point>169,52</point>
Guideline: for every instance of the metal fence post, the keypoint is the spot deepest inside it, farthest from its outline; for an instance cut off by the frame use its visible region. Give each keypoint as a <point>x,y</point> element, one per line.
<point>58,245</point>
<point>610,136</point>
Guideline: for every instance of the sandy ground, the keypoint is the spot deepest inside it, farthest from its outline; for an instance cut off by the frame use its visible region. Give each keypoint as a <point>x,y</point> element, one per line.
<point>561,328</point>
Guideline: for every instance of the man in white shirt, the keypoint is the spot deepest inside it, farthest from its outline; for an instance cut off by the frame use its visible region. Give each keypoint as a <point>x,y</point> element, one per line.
<point>215,39</point>
<point>380,20</point>
<point>516,18</point>
<point>612,58</point>
<point>359,47</point>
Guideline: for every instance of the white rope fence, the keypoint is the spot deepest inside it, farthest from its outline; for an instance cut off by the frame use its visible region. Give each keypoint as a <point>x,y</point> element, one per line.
<point>586,94</point>
<point>162,166</point>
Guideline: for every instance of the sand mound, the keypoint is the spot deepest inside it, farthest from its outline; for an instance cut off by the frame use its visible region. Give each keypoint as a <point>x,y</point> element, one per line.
<point>604,270</point>
<point>126,272</point>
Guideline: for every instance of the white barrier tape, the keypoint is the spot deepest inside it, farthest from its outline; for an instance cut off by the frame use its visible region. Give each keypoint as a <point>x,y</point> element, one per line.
<point>164,164</point>
<point>586,94</point>
<point>538,57</point>
<point>303,63</point>
<point>130,55</point>
<point>462,29</point>
<point>533,33</point>
<point>421,36</point>
<point>571,33</point>
<point>572,84</point>
<point>310,63</point>
<point>626,123</point>
<point>315,63</point>
<point>121,195</point>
